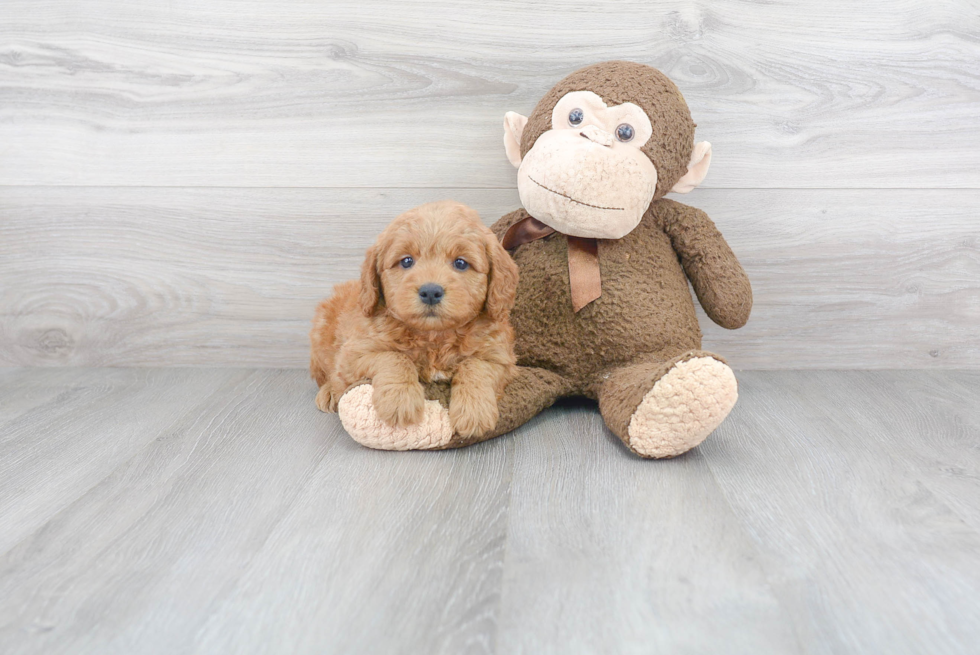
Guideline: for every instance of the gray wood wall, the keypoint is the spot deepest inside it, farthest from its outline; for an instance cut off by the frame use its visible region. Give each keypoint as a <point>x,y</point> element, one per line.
<point>180,182</point>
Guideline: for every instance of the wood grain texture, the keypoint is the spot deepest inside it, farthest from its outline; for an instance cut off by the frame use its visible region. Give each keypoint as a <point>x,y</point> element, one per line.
<point>610,553</point>
<point>169,531</point>
<point>930,423</point>
<point>833,512</point>
<point>26,388</point>
<point>830,473</point>
<point>379,554</point>
<point>826,515</point>
<point>412,94</point>
<point>230,277</point>
<point>57,451</point>
<point>175,548</point>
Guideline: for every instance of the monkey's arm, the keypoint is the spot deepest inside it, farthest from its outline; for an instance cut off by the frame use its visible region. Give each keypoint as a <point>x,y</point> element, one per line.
<point>718,279</point>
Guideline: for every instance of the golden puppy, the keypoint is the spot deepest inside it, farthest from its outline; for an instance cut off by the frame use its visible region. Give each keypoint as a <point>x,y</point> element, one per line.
<point>432,304</point>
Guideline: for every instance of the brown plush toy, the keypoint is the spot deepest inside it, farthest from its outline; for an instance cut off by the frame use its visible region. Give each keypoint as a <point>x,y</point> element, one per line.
<point>603,308</point>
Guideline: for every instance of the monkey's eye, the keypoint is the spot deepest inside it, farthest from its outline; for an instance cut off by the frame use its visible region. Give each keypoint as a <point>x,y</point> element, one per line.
<point>460,264</point>
<point>625,132</point>
<point>407,262</point>
<point>575,117</point>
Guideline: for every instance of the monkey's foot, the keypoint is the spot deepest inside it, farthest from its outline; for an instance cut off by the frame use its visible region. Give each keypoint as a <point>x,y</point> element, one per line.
<point>358,417</point>
<point>684,407</point>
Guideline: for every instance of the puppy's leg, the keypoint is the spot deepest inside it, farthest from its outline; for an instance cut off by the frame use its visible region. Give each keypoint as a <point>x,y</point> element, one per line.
<point>324,341</point>
<point>327,396</point>
<point>398,397</point>
<point>323,397</point>
<point>322,355</point>
<point>473,403</point>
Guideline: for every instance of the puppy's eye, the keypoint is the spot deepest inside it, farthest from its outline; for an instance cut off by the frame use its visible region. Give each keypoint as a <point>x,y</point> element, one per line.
<point>460,264</point>
<point>575,117</point>
<point>407,262</point>
<point>625,132</point>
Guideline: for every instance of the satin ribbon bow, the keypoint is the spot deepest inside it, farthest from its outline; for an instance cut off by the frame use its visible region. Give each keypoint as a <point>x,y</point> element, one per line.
<point>583,258</point>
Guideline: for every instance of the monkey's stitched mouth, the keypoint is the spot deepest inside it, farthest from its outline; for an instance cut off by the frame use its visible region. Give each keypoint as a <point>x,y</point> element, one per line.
<point>563,195</point>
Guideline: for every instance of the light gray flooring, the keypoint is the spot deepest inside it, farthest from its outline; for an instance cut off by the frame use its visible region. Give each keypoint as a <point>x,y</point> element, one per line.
<point>209,511</point>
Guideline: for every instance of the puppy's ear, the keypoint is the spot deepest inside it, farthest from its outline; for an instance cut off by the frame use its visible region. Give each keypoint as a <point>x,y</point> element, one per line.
<point>371,293</point>
<point>502,282</point>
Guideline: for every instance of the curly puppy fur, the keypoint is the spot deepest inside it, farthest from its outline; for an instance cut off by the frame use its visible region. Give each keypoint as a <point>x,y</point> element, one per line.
<point>379,328</point>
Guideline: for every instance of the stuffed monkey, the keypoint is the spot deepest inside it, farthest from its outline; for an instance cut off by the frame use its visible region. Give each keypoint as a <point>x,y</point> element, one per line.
<point>603,308</point>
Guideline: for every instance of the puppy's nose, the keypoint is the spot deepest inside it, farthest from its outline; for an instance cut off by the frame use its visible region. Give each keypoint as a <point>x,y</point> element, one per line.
<point>431,294</point>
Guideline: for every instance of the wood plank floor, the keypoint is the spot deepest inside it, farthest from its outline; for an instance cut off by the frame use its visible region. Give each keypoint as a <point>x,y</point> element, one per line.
<point>215,510</point>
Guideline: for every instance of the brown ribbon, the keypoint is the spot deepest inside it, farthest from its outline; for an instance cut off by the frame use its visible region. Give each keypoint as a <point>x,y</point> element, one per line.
<point>583,258</point>
<point>523,231</point>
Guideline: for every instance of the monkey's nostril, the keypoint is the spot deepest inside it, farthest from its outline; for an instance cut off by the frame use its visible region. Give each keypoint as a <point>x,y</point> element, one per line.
<point>431,294</point>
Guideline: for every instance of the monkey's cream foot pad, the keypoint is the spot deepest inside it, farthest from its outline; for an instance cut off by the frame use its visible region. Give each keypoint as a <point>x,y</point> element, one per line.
<point>356,411</point>
<point>683,408</point>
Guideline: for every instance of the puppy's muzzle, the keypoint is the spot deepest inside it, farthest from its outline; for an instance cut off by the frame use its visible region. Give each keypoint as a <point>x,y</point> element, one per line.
<point>431,294</point>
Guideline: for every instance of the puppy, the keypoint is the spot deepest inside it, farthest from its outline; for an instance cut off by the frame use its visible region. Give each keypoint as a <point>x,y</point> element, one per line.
<point>432,304</point>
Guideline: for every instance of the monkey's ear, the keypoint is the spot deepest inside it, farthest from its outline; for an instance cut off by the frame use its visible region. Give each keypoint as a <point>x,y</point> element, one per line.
<point>513,129</point>
<point>696,170</point>
<point>371,297</point>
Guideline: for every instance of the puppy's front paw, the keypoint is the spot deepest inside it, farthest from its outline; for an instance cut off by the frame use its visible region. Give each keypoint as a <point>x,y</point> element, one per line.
<point>472,416</point>
<point>399,405</point>
<point>325,401</point>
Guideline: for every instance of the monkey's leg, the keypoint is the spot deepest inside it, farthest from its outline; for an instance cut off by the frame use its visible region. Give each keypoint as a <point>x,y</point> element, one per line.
<point>663,407</point>
<point>531,391</point>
